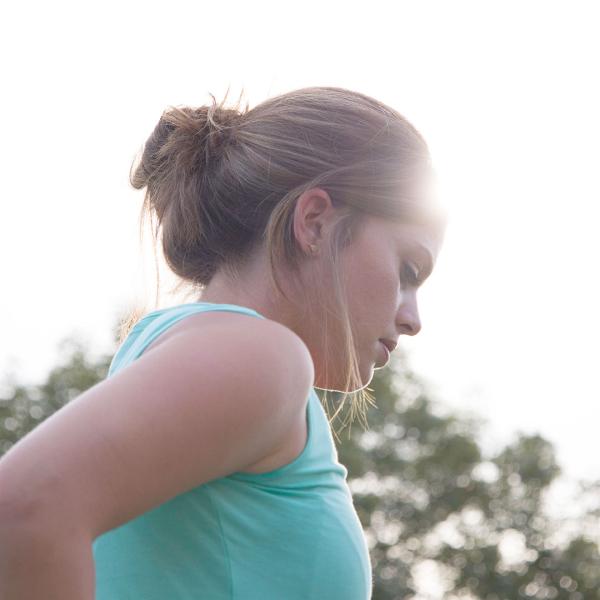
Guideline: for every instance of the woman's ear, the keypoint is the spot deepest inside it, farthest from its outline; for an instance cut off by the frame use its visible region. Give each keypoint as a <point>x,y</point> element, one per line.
<point>313,215</point>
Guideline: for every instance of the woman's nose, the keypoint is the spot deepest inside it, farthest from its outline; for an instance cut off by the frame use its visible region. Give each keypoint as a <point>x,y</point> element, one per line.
<point>408,320</point>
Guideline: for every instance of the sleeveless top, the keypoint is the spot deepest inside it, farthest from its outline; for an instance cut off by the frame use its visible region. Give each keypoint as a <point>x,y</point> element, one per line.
<point>289,534</point>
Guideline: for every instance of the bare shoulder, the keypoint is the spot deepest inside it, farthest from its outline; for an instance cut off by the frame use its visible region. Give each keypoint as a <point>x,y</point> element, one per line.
<point>260,342</point>
<point>223,394</point>
<point>207,326</point>
<point>231,340</point>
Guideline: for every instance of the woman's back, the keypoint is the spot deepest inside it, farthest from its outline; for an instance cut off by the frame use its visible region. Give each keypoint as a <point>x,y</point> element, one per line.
<point>287,533</point>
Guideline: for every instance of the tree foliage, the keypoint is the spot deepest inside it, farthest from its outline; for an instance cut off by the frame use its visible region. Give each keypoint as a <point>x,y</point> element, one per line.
<point>23,407</point>
<point>437,513</point>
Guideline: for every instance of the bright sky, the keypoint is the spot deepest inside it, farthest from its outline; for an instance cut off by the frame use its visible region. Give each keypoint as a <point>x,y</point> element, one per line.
<point>506,93</point>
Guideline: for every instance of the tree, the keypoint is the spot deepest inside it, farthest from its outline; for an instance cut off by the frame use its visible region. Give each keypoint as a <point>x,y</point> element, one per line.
<point>25,406</point>
<point>436,511</point>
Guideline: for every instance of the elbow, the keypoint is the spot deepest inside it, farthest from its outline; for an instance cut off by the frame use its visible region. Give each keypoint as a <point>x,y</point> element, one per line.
<point>21,505</point>
<point>16,504</point>
<point>33,516</point>
<point>16,513</point>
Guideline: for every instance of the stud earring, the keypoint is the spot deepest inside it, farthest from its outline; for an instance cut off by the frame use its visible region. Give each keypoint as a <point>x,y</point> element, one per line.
<point>313,248</point>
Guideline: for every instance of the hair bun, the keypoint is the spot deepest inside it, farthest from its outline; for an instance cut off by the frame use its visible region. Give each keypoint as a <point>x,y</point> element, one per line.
<point>213,126</point>
<point>185,139</point>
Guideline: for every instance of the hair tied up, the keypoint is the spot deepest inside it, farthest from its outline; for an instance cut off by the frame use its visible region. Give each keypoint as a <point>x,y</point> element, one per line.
<point>214,127</point>
<point>186,140</point>
<point>223,183</point>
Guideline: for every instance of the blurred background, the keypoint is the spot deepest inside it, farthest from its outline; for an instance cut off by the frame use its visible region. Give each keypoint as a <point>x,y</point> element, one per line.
<point>503,376</point>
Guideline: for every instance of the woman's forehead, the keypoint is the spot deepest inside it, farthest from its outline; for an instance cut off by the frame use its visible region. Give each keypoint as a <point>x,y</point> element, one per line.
<point>428,234</point>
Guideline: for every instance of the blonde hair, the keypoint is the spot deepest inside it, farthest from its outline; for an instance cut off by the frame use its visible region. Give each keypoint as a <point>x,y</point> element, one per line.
<point>221,180</point>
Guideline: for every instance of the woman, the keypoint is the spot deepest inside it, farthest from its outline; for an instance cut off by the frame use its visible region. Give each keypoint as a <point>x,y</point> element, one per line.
<point>204,465</point>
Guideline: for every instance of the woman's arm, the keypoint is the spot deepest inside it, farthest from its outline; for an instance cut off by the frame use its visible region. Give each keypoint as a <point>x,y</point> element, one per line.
<point>207,402</point>
<point>40,561</point>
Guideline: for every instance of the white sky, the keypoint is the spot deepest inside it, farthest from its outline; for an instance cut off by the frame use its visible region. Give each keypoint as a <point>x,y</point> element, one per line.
<point>506,93</point>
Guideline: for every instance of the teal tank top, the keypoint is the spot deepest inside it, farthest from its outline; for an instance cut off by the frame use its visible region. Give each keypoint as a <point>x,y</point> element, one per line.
<point>288,534</point>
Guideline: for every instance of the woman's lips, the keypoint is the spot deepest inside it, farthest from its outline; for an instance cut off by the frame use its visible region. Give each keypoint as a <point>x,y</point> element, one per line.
<point>386,353</point>
<point>389,344</point>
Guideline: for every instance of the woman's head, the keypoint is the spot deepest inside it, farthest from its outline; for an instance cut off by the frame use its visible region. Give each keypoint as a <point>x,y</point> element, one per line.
<point>225,183</point>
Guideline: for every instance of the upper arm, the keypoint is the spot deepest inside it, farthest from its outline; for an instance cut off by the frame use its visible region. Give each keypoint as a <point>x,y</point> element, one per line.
<point>204,404</point>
